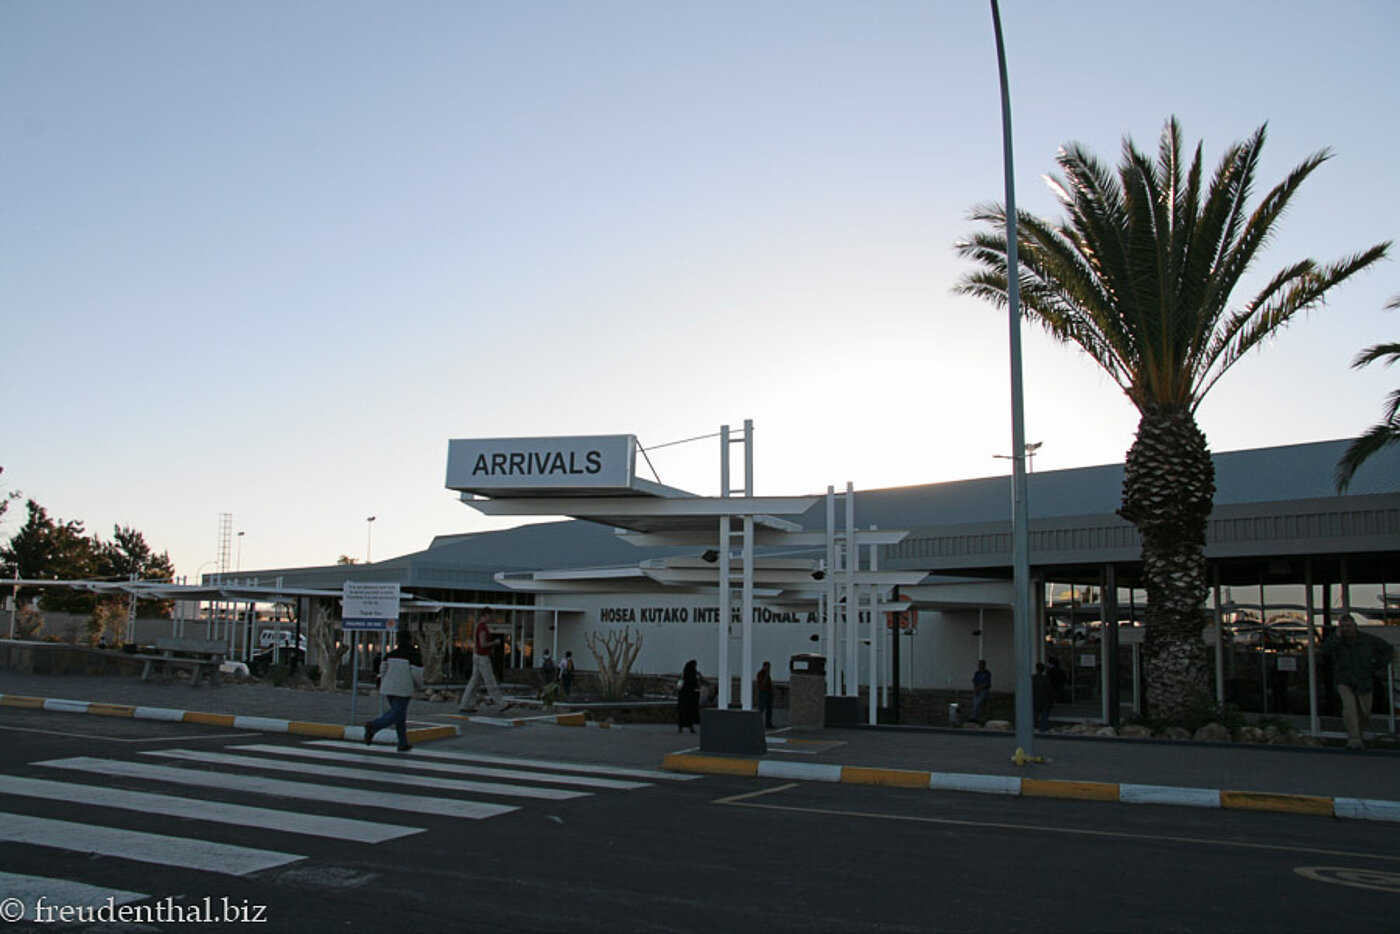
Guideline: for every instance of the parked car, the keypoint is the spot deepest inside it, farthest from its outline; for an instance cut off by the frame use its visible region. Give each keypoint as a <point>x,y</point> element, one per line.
<point>280,645</point>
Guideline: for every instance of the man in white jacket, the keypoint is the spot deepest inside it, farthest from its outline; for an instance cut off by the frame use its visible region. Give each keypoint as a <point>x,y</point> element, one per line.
<point>400,674</point>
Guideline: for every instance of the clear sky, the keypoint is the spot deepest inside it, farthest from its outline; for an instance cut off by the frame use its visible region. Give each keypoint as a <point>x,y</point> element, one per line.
<point>265,258</point>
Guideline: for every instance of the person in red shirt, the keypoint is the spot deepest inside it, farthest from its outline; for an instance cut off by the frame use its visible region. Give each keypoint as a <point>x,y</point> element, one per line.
<point>763,690</point>
<point>483,674</point>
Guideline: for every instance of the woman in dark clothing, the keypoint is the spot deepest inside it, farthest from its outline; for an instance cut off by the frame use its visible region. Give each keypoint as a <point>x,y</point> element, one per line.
<point>688,704</point>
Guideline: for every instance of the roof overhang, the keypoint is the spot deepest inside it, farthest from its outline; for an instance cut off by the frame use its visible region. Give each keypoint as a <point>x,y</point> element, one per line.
<point>688,517</point>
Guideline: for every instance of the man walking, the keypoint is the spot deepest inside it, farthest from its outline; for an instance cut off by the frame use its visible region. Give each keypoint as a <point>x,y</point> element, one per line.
<point>483,674</point>
<point>400,674</point>
<point>1357,658</point>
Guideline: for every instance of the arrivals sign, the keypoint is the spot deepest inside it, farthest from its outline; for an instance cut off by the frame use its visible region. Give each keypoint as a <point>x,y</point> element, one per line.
<point>541,465</point>
<point>369,606</point>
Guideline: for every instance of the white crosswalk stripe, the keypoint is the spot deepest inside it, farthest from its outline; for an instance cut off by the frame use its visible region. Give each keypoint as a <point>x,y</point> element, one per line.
<point>141,846</point>
<point>648,775</point>
<point>41,891</point>
<point>184,786</point>
<point>430,765</point>
<point>257,784</point>
<point>340,828</point>
<point>393,778</point>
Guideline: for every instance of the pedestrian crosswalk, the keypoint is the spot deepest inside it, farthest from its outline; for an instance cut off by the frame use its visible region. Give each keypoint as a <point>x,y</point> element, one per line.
<point>264,786</point>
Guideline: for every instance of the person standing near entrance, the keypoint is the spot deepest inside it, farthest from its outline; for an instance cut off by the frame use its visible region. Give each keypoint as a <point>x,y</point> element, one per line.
<point>566,673</point>
<point>1042,696</point>
<point>763,688</point>
<point>483,673</point>
<point>400,674</point>
<point>688,697</point>
<point>1357,658</point>
<point>981,690</point>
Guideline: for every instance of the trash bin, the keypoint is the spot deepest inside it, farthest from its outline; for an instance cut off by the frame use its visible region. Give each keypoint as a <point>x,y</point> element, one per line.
<point>953,716</point>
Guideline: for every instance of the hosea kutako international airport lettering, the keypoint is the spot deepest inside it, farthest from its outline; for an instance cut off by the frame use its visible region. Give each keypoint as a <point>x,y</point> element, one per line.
<point>536,463</point>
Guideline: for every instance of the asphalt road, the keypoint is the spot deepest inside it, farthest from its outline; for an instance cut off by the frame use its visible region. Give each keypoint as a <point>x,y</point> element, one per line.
<point>316,836</point>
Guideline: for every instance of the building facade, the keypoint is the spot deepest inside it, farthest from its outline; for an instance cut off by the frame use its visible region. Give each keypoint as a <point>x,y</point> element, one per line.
<point>1287,555</point>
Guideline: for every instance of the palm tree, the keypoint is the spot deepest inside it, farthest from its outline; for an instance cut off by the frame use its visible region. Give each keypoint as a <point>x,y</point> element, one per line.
<point>1139,275</point>
<point>1386,431</point>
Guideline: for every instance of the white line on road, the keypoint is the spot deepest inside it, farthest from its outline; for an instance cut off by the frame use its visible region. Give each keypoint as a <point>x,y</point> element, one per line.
<point>339,828</point>
<point>1041,828</point>
<point>415,764</point>
<point>327,771</point>
<point>60,892</point>
<point>141,846</point>
<point>587,769</point>
<point>256,784</point>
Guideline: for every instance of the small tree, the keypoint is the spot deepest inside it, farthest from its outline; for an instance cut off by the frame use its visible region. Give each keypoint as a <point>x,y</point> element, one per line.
<point>321,640</point>
<point>52,548</point>
<point>434,637</point>
<point>29,622</point>
<point>108,619</point>
<point>621,652</point>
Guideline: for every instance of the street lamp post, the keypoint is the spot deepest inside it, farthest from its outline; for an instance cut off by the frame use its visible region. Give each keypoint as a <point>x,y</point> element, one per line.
<point>1020,507</point>
<point>369,534</point>
<point>239,567</point>
<point>1031,448</point>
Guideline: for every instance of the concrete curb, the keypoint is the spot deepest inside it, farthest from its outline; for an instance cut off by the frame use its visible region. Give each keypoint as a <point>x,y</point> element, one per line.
<point>1123,793</point>
<point>231,721</point>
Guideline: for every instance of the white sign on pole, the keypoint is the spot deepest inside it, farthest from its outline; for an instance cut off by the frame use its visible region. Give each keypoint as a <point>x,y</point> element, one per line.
<point>501,465</point>
<point>369,606</point>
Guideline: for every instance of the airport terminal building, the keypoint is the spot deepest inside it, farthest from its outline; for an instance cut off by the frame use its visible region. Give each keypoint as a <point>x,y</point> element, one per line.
<point>932,571</point>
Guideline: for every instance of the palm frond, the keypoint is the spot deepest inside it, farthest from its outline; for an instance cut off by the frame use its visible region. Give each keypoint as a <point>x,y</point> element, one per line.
<point>1386,353</point>
<point>1140,271</point>
<point>1294,290</point>
<point>1376,439</point>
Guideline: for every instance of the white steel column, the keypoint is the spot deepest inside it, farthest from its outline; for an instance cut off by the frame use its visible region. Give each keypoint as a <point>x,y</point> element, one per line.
<point>722,665</point>
<point>875,631</point>
<point>829,588</point>
<point>746,676</point>
<point>746,599</point>
<point>852,596</point>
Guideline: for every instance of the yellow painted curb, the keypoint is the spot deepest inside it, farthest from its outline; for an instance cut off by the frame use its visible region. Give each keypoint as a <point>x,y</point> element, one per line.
<point>16,700</point>
<point>710,765</point>
<point>111,710</point>
<point>572,719</point>
<point>306,728</point>
<point>208,719</point>
<point>895,778</point>
<point>1081,791</point>
<point>426,734</point>
<point>1271,801</point>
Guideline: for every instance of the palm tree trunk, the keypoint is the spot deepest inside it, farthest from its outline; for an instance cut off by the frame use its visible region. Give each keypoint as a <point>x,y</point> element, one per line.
<point>1168,489</point>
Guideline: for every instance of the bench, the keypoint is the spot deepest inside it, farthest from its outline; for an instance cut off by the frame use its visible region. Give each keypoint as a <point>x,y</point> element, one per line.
<point>198,655</point>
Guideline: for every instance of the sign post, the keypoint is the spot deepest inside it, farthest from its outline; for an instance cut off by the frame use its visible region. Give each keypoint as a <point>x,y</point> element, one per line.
<point>366,607</point>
